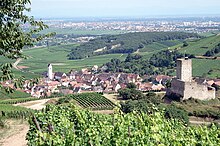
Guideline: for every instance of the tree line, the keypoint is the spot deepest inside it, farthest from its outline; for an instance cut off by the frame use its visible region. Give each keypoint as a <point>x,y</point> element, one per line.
<point>213,51</point>
<point>162,62</point>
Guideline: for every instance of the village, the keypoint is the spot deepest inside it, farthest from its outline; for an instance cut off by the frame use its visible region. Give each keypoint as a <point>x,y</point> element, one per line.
<point>88,80</point>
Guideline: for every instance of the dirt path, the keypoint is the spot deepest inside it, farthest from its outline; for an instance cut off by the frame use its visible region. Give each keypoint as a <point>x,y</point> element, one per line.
<point>15,136</point>
<point>205,57</point>
<point>36,105</point>
<point>16,63</point>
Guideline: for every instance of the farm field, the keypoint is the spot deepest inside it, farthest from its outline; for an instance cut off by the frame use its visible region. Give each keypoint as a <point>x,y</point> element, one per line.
<point>39,59</point>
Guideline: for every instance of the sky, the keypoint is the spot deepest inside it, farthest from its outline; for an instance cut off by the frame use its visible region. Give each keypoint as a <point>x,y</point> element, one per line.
<point>122,8</point>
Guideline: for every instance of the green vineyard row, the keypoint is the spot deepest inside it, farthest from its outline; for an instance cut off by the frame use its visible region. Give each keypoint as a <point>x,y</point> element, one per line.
<point>92,101</point>
<point>70,126</point>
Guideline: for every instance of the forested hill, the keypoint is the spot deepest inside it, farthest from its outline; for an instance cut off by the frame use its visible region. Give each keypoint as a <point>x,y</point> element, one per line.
<point>124,43</point>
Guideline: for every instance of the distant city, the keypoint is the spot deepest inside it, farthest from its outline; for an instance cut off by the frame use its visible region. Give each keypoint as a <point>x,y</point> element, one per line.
<point>189,24</point>
<point>81,30</point>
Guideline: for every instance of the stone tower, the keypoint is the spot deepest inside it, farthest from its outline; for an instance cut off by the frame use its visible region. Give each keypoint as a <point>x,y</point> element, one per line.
<point>50,72</point>
<point>184,69</point>
<point>184,87</point>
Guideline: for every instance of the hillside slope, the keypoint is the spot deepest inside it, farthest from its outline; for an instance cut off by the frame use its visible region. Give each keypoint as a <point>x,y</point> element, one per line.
<point>201,46</point>
<point>125,43</point>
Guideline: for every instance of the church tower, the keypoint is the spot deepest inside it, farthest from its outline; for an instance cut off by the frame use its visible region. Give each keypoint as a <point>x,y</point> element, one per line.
<point>50,72</point>
<point>184,69</point>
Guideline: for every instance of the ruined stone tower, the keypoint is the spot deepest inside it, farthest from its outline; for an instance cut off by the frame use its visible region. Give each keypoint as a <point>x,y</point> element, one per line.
<point>184,69</point>
<point>50,71</point>
<point>185,87</point>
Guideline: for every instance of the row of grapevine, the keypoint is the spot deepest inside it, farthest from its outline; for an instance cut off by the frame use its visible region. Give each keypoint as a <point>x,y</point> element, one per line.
<point>92,101</point>
<point>22,100</point>
<point>10,111</point>
<point>18,100</point>
<point>67,125</point>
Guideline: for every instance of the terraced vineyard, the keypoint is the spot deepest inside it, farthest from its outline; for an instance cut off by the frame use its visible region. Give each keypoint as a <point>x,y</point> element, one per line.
<point>92,101</point>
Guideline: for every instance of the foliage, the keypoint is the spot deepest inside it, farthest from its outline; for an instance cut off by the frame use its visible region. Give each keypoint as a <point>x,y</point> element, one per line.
<point>131,86</point>
<point>13,36</point>
<point>18,100</point>
<point>199,108</point>
<point>173,112</point>
<point>199,47</point>
<point>92,101</point>
<point>132,94</point>
<point>124,43</point>
<point>62,125</point>
<point>15,94</point>
<point>2,122</point>
<point>217,87</point>
<point>213,51</point>
<point>10,111</point>
<point>146,102</point>
<point>161,62</point>
<point>185,44</point>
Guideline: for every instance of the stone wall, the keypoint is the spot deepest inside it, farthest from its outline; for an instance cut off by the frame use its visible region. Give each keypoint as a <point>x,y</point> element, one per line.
<point>177,87</point>
<point>191,90</point>
<point>198,91</point>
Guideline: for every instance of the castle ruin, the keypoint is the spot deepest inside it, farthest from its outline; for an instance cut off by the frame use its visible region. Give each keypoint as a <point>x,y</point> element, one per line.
<point>185,87</point>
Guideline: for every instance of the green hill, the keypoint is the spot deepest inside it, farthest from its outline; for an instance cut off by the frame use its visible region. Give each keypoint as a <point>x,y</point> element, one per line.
<point>57,55</point>
<point>200,46</point>
<point>128,43</point>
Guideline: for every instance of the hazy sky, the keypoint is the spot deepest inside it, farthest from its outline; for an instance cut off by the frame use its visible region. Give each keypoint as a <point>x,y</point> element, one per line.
<point>109,8</point>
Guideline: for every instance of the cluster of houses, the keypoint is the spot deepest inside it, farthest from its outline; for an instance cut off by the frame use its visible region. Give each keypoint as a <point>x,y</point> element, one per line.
<point>87,80</point>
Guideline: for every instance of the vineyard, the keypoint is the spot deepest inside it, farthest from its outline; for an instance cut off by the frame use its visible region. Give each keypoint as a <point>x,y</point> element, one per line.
<point>18,100</point>
<point>10,111</point>
<point>92,101</point>
<point>68,125</point>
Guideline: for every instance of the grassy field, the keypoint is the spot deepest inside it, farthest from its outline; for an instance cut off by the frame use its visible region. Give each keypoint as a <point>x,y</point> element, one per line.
<point>200,47</point>
<point>201,67</point>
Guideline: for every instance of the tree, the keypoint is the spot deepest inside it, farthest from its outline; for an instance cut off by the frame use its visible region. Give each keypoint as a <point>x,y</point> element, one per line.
<point>131,86</point>
<point>185,44</point>
<point>132,94</point>
<point>13,35</point>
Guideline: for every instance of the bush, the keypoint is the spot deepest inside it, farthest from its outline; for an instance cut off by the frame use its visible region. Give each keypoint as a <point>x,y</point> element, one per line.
<point>173,112</point>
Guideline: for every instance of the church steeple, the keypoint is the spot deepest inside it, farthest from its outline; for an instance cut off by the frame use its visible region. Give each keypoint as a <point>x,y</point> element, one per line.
<point>50,71</point>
